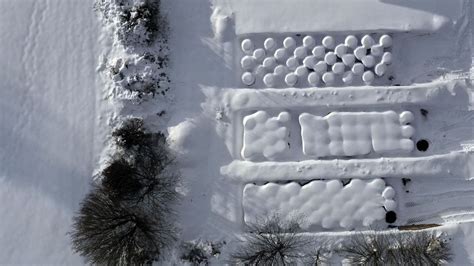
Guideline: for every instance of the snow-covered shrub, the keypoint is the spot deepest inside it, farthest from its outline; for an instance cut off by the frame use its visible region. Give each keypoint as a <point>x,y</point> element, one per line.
<point>397,249</point>
<point>272,242</point>
<point>200,252</point>
<point>128,218</point>
<point>137,22</point>
<point>144,74</point>
<point>130,133</point>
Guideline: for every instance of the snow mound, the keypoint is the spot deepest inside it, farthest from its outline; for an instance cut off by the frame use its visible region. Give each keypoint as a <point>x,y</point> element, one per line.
<point>331,58</point>
<point>265,136</point>
<point>356,133</point>
<point>326,204</point>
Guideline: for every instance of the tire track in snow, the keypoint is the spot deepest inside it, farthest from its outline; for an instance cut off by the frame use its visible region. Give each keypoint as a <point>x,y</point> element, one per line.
<point>437,216</point>
<point>30,60</point>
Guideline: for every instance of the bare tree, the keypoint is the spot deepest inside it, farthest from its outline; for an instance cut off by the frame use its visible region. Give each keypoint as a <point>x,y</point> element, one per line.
<point>411,249</point>
<point>112,233</point>
<point>127,219</point>
<point>272,242</point>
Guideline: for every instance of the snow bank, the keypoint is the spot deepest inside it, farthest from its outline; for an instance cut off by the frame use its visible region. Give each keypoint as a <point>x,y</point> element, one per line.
<point>452,94</point>
<point>361,15</point>
<point>455,165</point>
<point>326,204</point>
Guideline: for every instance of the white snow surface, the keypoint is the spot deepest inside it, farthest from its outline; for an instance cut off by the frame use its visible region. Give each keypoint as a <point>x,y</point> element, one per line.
<point>356,133</point>
<point>53,119</point>
<point>50,132</point>
<point>326,204</point>
<point>361,15</point>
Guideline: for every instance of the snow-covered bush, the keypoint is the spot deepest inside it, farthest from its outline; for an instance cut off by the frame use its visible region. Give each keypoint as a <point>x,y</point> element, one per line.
<point>130,133</point>
<point>138,22</point>
<point>128,218</point>
<point>200,252</point>
<point>397,249</point>
<point>272,242</point>
<point>144,74</point>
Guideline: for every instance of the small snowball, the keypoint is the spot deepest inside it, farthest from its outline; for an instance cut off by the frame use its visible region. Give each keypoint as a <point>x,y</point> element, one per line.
<point>376,50</point>
<point>292,63</point>
<point>340,50</point>
<point>385,41</point>
<point>247,46</point>
<point>380,69</point>
<point>334,186</point>
<point>313,78</point>
<point>321,67</point>
<point>309,61</point>
<point>360,52</point>
<point>248,78</point>
<point>368,77</point>
<point>269,79</point>
<point>327,223</point>
<point>346,222</point>
<point>387,58</point>
<point>408,131</point>
<point>269,62</point>
<point>319,51</point>
<point>280,70</point>
<point>329,78</point>
<point>367,41</point>
<point>390,205</point>
<point>289,43</point>
<point>407,144</point>
<point>291,79</point>
<point>285,117</point>
<point>330,58</point>
<point>348,77</point>
<point>259,54</point>
<point>338,68</point>
<point>269,44</point>
<point>248,62</point>
<point>300,52</point>
<point>260,70</point>
<point>301,71</point>
<point>406,117</point>
<point>358,68</point>
<point>329,42</point>
<point>377,184</point>
<point>388,193</point>
<point>368,61</point>
<point>348,59</point>
<point>250,124</point>
<point>309,42</point>
<point>351,41</point>
<point>280,54</point>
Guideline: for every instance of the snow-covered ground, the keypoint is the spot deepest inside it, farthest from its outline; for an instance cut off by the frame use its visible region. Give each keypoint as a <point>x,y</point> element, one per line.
<point>243,105</point>
<point>238,131</point>
<point>50,131</point>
